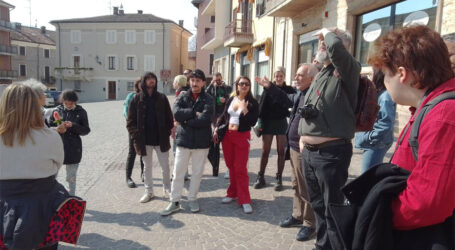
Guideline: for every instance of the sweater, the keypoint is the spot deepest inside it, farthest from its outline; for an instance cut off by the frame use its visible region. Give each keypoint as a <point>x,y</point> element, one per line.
<point>32,161</point>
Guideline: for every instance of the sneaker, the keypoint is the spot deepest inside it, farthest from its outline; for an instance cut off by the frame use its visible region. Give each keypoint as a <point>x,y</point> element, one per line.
<point>227,200</point>
<point>146,198</point>
<point>226,176</point>
<point>171,208</point>
<point>247,208</point>
<point>279,183</point>
<point>290,222</point>
<point>260,182</point>
<point>194,206</point>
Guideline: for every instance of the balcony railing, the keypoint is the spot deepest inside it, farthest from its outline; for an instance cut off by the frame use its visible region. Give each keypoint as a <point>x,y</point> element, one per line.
<point>8,74</point>
<point>238,33</point>
<point>8,50</point>
<point>70,74</point>
<point>9,26</point>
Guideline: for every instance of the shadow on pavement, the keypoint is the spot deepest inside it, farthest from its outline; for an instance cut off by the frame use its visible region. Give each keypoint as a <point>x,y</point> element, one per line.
<point>144,220</point>
<point>93,240</point>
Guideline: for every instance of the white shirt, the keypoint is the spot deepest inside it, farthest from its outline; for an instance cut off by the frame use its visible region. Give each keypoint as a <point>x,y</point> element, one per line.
<point>32,161</point>
<point>234,114</point>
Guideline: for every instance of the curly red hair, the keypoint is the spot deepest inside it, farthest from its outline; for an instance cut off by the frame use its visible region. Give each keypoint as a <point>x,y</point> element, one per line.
<point>418,49</point>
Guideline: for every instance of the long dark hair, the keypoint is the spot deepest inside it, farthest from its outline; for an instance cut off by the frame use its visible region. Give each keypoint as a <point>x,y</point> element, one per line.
<point>378,80</point>
<point>249,95</point>
<point>145,77</point>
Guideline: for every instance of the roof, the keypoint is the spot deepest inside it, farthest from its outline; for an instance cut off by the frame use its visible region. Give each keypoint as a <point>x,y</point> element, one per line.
<point>121,18</point>
<point>3,3</point>
<point>34,35</point>
<point>197,2</point>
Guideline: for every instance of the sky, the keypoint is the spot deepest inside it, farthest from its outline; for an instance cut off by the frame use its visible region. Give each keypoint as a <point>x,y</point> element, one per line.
<point>44,11</point>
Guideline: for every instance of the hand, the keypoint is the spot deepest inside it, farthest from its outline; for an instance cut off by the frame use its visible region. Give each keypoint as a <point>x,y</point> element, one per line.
<point>215,137</point>
<point>222,100</point>
<point>301,145</point>
<point>61,129</point>
<point>173,130</point>
<point>68,124</point>
<point>321,33</point>
<point>264,82</point>
<point>243,105</point>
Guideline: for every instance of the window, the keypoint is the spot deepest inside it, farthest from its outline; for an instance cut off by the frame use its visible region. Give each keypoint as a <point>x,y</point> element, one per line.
<point>262,68</point>
<point>245,66</point>
<point>308,47</point>
<point>260,8</point>
<point>75,36</point>
<point>112,62</point>
<point>77,85</point>
<point>111,36</point>
<point>370,26</point>
<point>130,86</point>
<point>149,63</point>
<point>46,53</point>
<point>46,74</point>
<point>211,64</point>
<point>212,19</point>
<point>149,37</point>
<point>22,70</point>
<point>130,36</point>
<point>130,63</point>
<point>76,61</point>
<point>22,50</point>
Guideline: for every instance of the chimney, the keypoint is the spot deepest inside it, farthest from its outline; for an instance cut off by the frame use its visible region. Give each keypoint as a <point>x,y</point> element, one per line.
<point>181,23</point>
<point>116,11</point>
<point>139,12</point>
<point>43,29</point>
<point>121,12</point>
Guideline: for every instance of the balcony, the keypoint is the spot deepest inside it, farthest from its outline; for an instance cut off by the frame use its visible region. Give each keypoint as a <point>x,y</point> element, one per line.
<point>72,74</point>
<point>9,26</point>
<point>288,8</point>
<point>238,33</point>
<point>8,50</point>
<point>8,74</point>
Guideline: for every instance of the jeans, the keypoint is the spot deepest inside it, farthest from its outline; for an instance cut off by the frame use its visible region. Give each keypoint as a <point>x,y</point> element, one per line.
<point>163,159</point>
<point>372,157</point>
<point>71,171</point>
<point>326,171</point>
<point>131,158</point>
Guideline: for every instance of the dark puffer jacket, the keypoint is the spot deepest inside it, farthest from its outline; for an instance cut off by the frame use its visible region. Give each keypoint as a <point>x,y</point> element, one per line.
<point>193,132</point>
<point>72,142</point>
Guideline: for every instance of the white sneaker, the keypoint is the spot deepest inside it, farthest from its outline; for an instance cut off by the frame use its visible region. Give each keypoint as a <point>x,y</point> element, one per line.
<point>227,200</point>
<point>226,176</point>
<point>146,198</point>
<point>247,208</point>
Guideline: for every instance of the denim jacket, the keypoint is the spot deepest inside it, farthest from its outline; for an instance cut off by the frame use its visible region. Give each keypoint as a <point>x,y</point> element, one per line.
<point>382,134</point>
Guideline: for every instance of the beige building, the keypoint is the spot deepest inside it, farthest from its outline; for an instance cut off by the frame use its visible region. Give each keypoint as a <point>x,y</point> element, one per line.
<point>7,74</point>
<point>101,57</point>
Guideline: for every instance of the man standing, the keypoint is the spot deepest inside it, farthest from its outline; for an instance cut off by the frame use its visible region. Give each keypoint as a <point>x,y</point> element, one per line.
<point>193,111</point>
<point>302,212</point>
<point>327,127</point>
<point>149,124</point>
<point>220,93</point>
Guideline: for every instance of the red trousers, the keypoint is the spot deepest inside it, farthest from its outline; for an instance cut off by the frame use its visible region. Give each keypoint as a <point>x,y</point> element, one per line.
<point>236,148</point>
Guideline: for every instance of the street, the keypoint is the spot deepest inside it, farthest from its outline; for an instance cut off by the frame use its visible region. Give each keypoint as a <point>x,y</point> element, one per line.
<point>116,220</point>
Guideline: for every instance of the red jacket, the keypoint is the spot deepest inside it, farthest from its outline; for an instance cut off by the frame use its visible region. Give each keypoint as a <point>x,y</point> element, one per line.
<point>429,197</point>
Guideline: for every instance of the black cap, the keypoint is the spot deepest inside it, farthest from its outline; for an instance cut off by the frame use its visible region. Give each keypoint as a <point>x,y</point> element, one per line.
<point>197,73</point>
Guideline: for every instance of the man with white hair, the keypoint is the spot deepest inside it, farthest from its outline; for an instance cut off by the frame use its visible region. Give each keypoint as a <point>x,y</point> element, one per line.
<point>40,89</point>
<point>327,126</point>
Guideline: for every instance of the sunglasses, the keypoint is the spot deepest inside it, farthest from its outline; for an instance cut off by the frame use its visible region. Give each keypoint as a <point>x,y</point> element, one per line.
<point>244,84</point>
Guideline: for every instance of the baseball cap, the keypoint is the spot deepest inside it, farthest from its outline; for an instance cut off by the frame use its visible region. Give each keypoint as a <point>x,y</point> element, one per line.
<point>197,73</point>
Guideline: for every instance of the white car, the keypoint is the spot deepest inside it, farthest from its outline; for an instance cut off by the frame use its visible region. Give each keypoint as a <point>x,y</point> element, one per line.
<point>50,102</point>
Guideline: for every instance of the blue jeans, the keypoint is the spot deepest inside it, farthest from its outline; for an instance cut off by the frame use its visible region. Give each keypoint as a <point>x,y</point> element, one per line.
<point>71,171</point>
<point>372,157</point>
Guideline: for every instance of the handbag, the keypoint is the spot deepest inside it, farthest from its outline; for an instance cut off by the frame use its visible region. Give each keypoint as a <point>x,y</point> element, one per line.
<point>222,129</point>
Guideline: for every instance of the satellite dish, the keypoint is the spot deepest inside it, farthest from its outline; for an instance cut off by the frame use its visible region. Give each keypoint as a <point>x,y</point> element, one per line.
<point>372,32</point>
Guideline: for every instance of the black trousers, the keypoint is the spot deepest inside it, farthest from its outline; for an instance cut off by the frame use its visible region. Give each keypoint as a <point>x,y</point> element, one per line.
<point>131,158</point>
<point>326,171</point>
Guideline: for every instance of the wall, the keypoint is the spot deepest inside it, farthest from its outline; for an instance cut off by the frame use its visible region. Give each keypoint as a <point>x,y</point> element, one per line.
<point>203,56</point>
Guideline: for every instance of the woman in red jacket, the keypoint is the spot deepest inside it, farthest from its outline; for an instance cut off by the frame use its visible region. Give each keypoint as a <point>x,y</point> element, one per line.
<point>417,69</point>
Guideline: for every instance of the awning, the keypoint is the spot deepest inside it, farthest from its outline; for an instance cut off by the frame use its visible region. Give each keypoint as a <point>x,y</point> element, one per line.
<point>267,43</point>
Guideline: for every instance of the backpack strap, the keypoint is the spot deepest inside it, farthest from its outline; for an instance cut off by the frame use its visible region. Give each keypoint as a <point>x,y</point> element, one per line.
<point>413,137</point>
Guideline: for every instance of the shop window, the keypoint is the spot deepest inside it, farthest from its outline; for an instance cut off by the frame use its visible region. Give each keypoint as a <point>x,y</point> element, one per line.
<point>308,46</point>
<point>371,25</point>
<point>262,69</point>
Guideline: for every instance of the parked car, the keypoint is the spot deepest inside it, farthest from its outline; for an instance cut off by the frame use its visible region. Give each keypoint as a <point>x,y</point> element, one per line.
<point>50,102</point>
<point>55,95</point>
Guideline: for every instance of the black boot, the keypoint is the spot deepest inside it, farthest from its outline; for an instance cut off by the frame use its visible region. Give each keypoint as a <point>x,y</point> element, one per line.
<point>279,183</point>
<point>130,183</point>
<point>260,182</point>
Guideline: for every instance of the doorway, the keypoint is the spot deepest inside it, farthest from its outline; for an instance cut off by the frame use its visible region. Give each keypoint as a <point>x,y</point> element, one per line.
<point>111,90</point>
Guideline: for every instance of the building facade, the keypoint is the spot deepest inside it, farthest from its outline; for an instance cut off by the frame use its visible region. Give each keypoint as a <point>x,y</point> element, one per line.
<point>101,57</point>
<point>205,32</point>
<point>36,54</point>
<point>7,74</point>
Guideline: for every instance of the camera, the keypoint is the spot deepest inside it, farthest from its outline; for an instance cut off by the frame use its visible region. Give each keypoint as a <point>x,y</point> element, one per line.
<point>308,111</point>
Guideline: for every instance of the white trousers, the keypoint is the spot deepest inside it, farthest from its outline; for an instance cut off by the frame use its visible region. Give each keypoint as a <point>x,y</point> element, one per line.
<point>163,159</point>
<point>182,160</point>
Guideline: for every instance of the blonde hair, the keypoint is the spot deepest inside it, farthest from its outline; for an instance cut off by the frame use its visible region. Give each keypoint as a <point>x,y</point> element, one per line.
<point>279,69</point>
<point>180,81</point>
<point>20,112</point>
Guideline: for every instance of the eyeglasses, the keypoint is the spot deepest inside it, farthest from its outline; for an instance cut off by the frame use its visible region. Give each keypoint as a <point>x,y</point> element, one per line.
<point>244,84</point>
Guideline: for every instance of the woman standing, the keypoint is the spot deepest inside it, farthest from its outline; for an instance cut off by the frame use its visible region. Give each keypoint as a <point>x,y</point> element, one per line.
<point>376,143</point>
<point>75,121</point>
<point>240,114</point>
<point>273,122</point>
<point>32,202</point>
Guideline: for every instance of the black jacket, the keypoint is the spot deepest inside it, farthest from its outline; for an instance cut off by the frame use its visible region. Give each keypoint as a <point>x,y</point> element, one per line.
<point>193,132</point>
<point>368,220</point>
<point>72,142</point>
<point>246,121</point>
<point>272,108</point>
<point>136,121</point>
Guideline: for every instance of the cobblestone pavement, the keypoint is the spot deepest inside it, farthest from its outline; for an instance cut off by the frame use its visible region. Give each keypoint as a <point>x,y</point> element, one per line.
<point>116,220</point>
